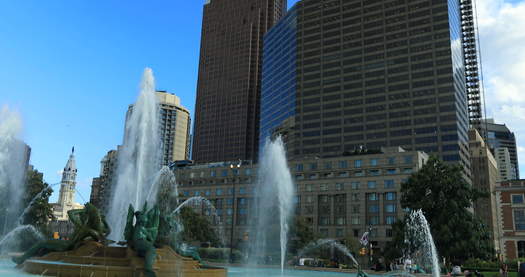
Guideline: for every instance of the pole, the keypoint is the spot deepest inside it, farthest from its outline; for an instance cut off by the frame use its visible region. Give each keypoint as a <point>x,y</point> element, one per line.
<point>369,247</point>
<point>233,222</point>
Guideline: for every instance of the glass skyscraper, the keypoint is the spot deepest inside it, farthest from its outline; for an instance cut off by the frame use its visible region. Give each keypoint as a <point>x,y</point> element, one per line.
<point>373,74</point>
<point>279,76</point>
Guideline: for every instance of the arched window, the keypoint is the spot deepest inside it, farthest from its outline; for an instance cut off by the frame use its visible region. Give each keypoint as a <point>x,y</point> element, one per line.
<point>521,249</point>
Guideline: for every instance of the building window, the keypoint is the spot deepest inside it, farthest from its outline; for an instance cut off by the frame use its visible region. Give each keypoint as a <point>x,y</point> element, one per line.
<point>391,171</point>
<point>186,193</point>
<point>355,185</point>
<point>339,186</point>
<point>389,184</point>
<point>391,160</point>
<point>519,220</point>
<point>309,199</point>
<point>309,187</point>
<point>408,159</point>
<point>407,170</point>
<point>372,197</point>
<point>355,209</point>
<point>339,233</point>
<point>313,176</point>
<point>299,167</point>
<point>374,220</point>
<point>313,166</point>
<point>218,192</point>
<point>390,208</point>
<point>248,171</point>
<point>521,249</point>
<point>242,201</point>
<point>372,184</point>
<point>207,192</point>
<point>358,163</point>
<point>197,193</point>
<point>355,196</point>
<point>390,196</point>
<point>355,220</point>
<point>373,208</point>
<point>374,172</point>
<point>340,221</point>
<point>229,211</point>
<point>299,176</point>
<point>323,187</point>
<point>323,198</point>
<point>324,220</point>
<point>213,173</point>
<point>230,191</point>
<point>328,165</point>
<point>517,199</point>
<point>343,164</point>
<point>389,233</point>
<point>373,162</point>
<point>224,173</point>
<point>359,173</point>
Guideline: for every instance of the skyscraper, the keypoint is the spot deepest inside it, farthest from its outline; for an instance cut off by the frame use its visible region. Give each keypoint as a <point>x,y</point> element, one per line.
<point>174,127</point>
<point>375,74</point>
<point>228,89</point>
<point>499,136</point>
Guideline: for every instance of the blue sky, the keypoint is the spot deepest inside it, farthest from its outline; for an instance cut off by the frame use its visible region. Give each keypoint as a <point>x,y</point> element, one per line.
<point>71,68</point>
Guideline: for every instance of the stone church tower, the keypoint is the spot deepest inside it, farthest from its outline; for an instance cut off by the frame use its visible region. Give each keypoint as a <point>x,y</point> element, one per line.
<point>67,190</point>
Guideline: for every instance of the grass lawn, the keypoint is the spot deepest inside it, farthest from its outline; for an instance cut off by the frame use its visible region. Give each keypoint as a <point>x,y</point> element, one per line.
<point>496,274</point>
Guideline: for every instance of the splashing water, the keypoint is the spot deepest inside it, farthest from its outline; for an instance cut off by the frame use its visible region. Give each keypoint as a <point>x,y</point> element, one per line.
<point>274,179</point>
<point>12,239</point>
<point>420,242</point>
<point>13,162</point>
<point>139,160</point>
<point>330,242</point>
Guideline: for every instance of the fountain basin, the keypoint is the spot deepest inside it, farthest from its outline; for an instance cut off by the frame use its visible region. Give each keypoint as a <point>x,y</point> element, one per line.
<point>96,260</point>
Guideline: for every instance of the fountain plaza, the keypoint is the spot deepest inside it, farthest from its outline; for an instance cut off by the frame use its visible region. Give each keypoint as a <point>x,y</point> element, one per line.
<point>145,240</point>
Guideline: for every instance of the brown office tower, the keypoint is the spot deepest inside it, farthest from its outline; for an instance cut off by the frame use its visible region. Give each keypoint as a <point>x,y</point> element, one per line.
<point>368,74</point>
<point>228,90</point>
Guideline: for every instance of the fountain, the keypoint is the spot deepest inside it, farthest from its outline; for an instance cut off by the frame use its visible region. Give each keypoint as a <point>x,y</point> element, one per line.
<point>13,162</point>
<point>329,242</point>
<point>420,247</point>
<point>139,158</point>
<point>274,180</point>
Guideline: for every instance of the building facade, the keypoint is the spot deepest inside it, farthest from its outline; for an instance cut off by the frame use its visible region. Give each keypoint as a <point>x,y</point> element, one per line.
<point>337,197</point>
<point>507,170</point>
<point>101,186</point>
<point>485,177</point>
<point>229,84</point>
<point>66,198</point>
<point>175,125</point>
<point>500,136</point>
<point>375,74</point>
<point>511,216</point>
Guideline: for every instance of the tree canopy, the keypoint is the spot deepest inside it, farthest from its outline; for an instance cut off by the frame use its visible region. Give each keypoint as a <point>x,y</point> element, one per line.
<point>445,197</point>
<point>40,212</point>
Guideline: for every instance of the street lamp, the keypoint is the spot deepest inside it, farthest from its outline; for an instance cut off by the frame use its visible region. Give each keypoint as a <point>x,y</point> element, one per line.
<point>232,167</point>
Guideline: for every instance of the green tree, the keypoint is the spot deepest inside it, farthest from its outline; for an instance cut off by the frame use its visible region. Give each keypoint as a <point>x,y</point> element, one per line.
<point>442,193</point>
<point>40,211</point>
<point>197,227</point>
<point>301,234</point>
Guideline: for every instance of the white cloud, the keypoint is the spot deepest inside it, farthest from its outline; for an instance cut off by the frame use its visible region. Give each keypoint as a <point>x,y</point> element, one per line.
<point>501,25</point>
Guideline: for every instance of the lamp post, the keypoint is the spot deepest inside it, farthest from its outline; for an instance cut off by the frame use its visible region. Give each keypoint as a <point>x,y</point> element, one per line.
<point>232,167</point>
<point>369,246</point>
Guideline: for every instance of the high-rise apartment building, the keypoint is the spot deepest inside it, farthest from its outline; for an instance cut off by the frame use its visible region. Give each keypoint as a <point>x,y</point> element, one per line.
<point>372,74</point>
<point>507,171</point>
<point>101,186</point>
<point>500,136</point>
<point>229,84</point>
<point>175,125</point>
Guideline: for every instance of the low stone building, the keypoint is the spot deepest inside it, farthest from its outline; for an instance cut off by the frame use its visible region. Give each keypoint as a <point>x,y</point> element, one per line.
<point>339,197</point>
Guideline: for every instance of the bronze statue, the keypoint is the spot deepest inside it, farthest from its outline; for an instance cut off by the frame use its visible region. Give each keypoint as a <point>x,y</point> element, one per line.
<point>89,225</point>
<point>143,235</point>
